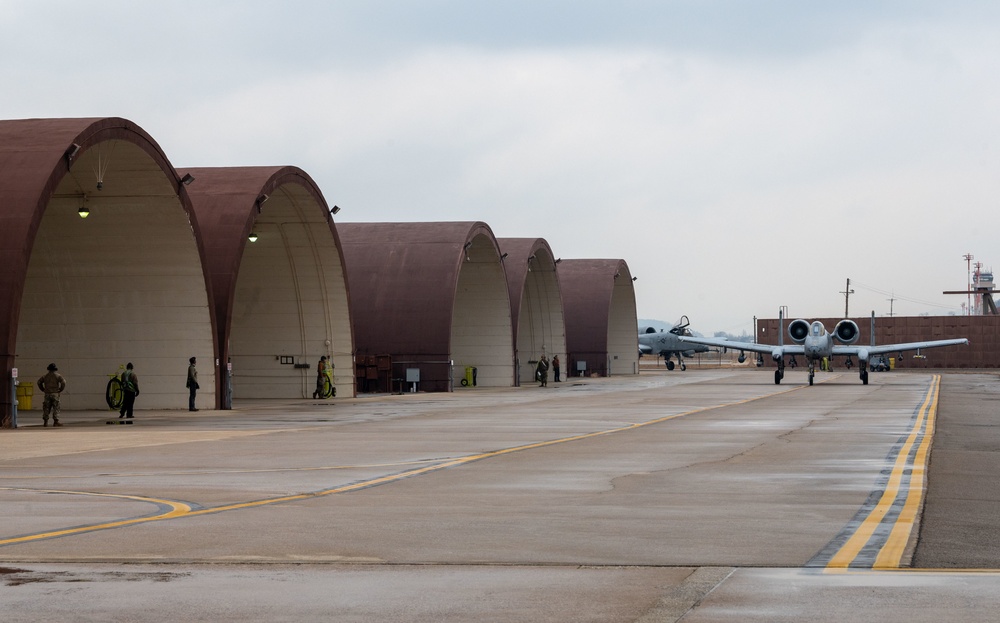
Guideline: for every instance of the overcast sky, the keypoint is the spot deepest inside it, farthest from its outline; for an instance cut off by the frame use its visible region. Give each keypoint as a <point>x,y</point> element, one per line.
<point>739,155</point>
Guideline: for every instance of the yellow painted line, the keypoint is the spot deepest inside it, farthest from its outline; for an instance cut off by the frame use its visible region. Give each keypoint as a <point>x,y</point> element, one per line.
<point>900,533</point>
<point>891,554</point>
<point>179,509</point>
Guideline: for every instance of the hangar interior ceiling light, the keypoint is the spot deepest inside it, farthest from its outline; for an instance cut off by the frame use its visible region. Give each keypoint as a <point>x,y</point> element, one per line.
<point>84,211</point>
<point>252,237</point>
<point>466,249</point>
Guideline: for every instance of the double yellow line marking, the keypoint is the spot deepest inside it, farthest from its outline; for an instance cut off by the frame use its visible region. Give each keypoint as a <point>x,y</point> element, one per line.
<point>900,492</point>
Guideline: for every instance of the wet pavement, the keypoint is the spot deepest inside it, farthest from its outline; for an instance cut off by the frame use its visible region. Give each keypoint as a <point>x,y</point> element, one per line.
<point>708,495</point>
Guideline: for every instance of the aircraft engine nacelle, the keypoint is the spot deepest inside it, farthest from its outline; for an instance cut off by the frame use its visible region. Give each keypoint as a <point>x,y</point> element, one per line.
<point>847,331</point>
<point>798,330</point>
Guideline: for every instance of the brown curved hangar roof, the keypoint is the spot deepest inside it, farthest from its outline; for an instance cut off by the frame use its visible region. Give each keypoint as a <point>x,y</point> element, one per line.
<point>536,304</point>
<point>599,304</point>
<point>229,201</point>
<point>405,301</point>
<point>36,155</point>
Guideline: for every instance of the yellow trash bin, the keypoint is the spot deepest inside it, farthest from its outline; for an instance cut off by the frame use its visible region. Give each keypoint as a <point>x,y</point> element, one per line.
<point>25,391</point>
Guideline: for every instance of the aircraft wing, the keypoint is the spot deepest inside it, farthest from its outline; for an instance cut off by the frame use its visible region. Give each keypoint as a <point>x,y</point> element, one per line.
<point>892,348</point>
<point>792,349</point>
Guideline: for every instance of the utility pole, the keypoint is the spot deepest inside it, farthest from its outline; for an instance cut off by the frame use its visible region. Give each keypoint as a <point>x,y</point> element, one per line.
<point>968,282</point>
<point>847,297</point>
<point>890,303</point>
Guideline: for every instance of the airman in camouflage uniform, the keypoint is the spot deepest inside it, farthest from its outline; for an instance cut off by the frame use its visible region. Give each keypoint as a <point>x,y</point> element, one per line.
<point>52,384</point>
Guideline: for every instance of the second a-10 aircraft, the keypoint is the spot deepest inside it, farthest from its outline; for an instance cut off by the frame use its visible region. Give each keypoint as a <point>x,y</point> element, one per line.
<point>814,343</point>
<point>667,344</point>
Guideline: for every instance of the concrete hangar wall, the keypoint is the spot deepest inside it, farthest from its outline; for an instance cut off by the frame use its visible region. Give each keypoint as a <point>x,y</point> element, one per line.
<point>276,268</point>
<point>536,306</point>
<point>155,274</point>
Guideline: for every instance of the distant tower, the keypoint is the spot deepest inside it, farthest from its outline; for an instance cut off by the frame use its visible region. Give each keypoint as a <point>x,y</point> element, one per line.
<point>982,284</point>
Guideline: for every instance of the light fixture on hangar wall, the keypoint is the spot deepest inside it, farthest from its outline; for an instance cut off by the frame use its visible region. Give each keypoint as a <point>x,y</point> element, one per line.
<point>84,211</point>
<point>252,237</point>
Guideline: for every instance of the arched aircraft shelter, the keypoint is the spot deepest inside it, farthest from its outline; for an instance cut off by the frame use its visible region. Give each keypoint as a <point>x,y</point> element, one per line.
<point>280,299</point>
<point>429,295</point>
<point>599,303</point>
<point>535,303</point>
<point>125,283</point>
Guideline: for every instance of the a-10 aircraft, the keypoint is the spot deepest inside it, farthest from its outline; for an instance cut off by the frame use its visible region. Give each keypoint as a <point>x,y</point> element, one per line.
<point>814,342</point>
<point>667,344</point>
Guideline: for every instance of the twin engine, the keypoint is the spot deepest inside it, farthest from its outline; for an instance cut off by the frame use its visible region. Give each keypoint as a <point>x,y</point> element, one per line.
<point>846,331</point>
<point>798,330</point>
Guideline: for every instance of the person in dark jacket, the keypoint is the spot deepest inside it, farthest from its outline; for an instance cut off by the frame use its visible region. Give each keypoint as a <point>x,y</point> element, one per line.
<point>192,382</point>
<point>130,389</point>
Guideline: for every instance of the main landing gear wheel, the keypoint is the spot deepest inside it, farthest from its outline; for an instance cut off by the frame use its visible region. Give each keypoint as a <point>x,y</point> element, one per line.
<point>670,365</point>
<point>778,374</point>
<point>864,376</point>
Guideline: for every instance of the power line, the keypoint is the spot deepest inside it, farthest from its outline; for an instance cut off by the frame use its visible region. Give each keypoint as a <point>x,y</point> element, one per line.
<point>900,297</point>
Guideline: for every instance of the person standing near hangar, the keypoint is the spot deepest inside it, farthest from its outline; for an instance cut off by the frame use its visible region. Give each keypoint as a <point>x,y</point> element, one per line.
<point>192,382</point>
<point>53,385</point>
<point>130,389</point>
<point>542,371</point>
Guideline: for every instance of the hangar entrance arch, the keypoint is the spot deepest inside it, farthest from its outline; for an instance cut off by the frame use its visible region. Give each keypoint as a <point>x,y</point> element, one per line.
<point>540,326</point>
<point>599,299</point>
<point>481,323</point>
<point>623,350</point>
<point>290,306</point>
<point>123,284</point>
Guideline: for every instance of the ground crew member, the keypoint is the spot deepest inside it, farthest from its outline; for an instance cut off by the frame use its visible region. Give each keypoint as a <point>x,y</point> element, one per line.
<point>542,371</point>
<point>192,383</point>
<point>52,384</point>
<point>321,371</point>
<point>130,389</point>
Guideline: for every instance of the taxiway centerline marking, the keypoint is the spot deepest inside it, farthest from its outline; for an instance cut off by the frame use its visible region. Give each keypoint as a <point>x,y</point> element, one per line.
<point>890,553</point>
